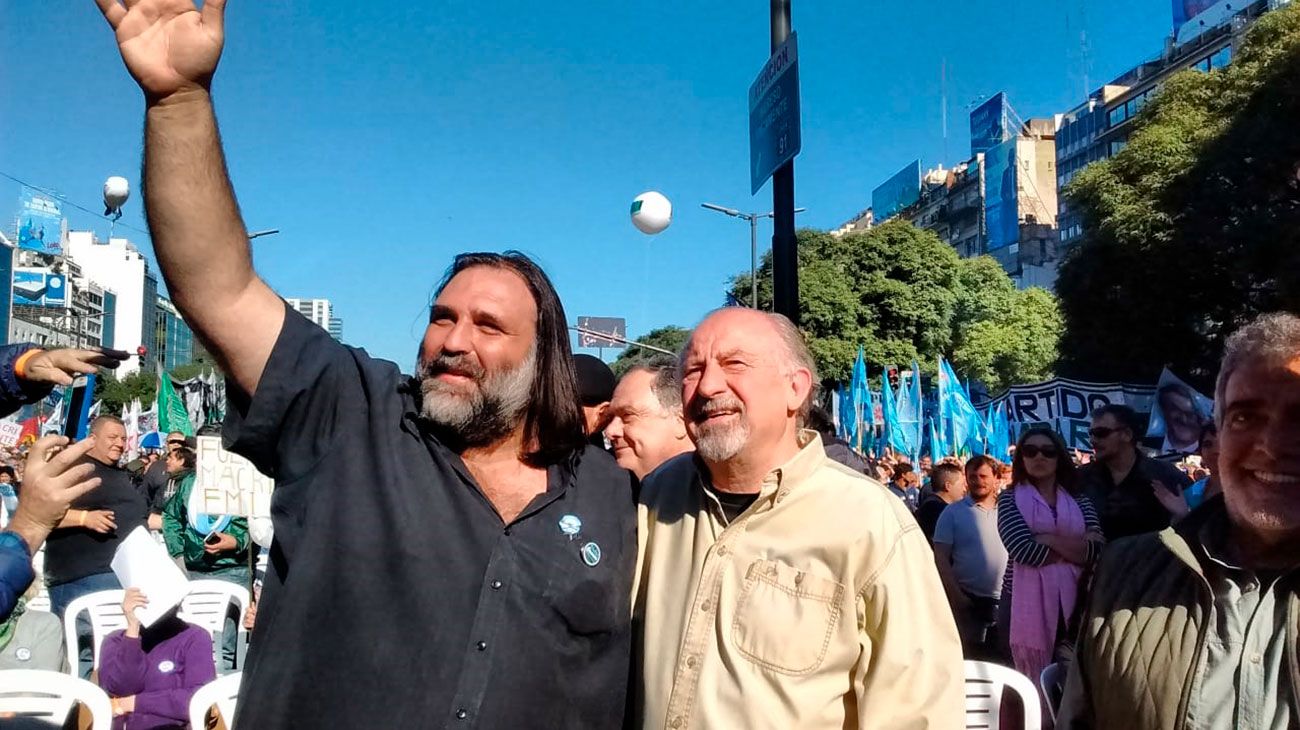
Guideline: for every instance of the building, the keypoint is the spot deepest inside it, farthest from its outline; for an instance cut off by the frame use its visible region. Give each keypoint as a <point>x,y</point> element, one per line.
<point>321,313</point>
<point>1100,127</point>
<point>118,267</point>
<point>52,303</point>
<point>175,340</point>
<point>1000,202</point>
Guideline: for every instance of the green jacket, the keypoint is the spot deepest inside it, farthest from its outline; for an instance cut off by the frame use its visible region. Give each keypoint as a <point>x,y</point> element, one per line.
<point>1143,637</point>
<point>183,540</point>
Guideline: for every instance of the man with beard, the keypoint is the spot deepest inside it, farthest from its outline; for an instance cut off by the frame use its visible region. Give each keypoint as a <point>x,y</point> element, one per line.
<point>775,587</point>
<point>1196,626</point>
<point>448,550</point>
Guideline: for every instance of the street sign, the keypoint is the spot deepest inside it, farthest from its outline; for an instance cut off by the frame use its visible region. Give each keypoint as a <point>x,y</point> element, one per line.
<point>590,330</point>
<point>774,137</point>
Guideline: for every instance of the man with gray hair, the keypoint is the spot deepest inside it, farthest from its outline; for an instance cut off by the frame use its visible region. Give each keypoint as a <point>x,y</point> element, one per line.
<point>1196,626</point>
<point>774,587</point>
<point>648,427</point>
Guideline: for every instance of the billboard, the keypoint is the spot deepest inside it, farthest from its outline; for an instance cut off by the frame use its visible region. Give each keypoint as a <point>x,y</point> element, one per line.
<point>590,330</point>
<point>1001,213</point>
<point>990,124</point>
<point>40,287</point>
<point>898,192</point>
<point>40,221</point>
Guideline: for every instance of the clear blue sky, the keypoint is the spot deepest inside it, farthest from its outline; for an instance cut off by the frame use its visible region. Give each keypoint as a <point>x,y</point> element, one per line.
<point>382,138</point>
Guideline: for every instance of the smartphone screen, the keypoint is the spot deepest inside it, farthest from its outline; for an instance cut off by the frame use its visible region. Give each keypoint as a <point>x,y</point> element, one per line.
<point>212,539</point>
<point>75,424</point>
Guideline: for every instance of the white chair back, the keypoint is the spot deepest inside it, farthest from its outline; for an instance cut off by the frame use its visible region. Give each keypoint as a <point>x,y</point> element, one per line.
<point>985,683</point>
<point>206,605</point>
<point>105,609</point>
<point>50,696</point>
<point>1052,683</point>
<point>222,692</point>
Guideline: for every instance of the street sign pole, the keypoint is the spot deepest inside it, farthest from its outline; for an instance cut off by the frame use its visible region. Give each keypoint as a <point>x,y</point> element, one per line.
<point>785,249</point>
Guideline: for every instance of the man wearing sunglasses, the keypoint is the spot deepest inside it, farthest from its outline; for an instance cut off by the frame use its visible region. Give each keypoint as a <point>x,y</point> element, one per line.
<point>1196,626</point>
<point>1119,481</point>
<point>154,481</point>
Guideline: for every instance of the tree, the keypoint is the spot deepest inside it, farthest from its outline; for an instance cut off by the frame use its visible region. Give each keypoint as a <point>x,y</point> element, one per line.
<point>115,393</point>
<point>903,294</point>
<point>1194,228</point>
<point>671,338</point>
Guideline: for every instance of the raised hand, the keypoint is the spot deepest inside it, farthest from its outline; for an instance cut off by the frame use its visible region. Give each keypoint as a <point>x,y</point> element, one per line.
<point>169,46</point>
<point>131,600</point>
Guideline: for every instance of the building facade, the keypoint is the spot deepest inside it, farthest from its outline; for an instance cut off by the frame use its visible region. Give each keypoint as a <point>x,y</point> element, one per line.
<point>175,340</point>
<point>321,313</point>
<point>116,266</point>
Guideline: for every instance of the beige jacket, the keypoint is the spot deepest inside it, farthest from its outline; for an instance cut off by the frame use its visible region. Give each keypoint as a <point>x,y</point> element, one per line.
<point>820,607</point>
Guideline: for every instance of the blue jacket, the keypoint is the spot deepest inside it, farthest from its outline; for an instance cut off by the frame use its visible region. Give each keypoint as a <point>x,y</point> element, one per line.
<point>15,559</point>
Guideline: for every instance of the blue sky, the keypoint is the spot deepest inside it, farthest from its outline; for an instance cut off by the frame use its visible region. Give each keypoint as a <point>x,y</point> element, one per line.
<point>382,138</point>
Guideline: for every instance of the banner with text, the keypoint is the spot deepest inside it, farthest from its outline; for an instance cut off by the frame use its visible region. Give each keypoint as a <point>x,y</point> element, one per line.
<point>230,484</point>
<point>1066,406</point>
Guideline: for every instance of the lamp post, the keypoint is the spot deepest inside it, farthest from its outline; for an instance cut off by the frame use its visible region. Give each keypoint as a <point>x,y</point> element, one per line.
<point>259,234</point>
<point>785,254</point>
<point>753,242</point>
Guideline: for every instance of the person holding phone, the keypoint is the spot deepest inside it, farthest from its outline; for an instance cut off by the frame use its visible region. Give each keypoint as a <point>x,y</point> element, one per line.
<point>212,547</point>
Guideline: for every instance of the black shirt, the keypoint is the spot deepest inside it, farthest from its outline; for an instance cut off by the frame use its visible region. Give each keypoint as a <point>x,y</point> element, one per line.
<point>396,597</point>
<point>154,484</point>
<point>1130,507</point>
<point>76,552</point>
<point>927,514</point>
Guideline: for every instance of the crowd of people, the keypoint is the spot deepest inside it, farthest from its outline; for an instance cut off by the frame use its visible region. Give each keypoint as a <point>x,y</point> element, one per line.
<point>512,537</point>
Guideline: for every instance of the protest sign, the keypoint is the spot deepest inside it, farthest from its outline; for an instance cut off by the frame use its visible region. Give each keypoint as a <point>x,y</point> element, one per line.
<point>10,432</point>
<point>230,484</point>
<point>1066,406</point>
<point>1178,413</point>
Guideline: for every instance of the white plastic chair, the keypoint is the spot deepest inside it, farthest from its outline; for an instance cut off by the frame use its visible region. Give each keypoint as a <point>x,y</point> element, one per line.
<point>222,692</point>
<point>206,605</point>
<point>1052,683</point>
<point>50,696</point>
<point>984,685</point>
<point>105,609</point>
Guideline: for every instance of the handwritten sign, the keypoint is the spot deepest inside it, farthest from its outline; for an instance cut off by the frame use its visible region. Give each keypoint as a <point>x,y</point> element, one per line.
<point>230,484</point>
<point>10,432</point>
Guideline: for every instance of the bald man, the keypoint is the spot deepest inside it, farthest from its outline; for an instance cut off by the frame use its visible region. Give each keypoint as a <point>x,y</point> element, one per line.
<point>774,587</point>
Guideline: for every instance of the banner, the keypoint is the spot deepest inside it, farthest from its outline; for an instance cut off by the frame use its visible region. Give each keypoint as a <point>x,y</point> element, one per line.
<point>10,432</point>
<point>40,221</point>
<point>229,484</point>
<point>1067,405</point>
<point>1178,414</point>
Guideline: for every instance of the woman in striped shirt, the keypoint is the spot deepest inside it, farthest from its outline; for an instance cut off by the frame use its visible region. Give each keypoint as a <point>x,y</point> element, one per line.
<point>1051,532</point>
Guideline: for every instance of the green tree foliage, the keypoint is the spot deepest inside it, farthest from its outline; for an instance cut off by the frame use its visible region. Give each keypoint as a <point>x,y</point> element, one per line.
<point>116,393</point>
<point>1194,227</point>
<point>671,338</point>
<point>903,294</point>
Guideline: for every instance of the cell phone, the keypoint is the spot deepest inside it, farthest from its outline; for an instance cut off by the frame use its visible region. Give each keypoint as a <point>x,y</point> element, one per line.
<point>212,539</point>
<point>75,424</point>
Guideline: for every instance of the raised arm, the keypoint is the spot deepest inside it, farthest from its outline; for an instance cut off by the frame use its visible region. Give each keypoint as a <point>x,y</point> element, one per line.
<point>172,49</point>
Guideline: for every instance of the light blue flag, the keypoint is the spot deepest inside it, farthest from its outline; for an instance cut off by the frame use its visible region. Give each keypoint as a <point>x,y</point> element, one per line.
<point>918,433</point>
<point>962,418</point>
<point>937,450</point>
<point>861,394</point>
<point>848,423</point>
<point>896,437</point>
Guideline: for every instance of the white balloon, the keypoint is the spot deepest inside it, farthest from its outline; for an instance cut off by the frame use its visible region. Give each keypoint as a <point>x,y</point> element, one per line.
<point>116,191</point>
<point>651,212</point>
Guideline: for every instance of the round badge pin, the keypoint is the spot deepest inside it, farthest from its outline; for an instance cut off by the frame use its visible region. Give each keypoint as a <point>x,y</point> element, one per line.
<point>591,554</point>
<point>23,654</point>
<point>570,525</point>
<point>166,667</point>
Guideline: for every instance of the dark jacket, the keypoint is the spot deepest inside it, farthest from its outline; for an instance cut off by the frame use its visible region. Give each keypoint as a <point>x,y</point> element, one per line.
<point>15,559</point>
<point>1130,507</point>
<point>1148,621</point>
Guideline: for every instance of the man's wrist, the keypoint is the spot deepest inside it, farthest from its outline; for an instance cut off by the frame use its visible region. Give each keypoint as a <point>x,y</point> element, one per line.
<point>179,99</point>
<point>20,364</point>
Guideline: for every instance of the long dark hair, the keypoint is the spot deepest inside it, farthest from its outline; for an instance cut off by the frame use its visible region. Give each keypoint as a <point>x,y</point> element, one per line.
<point>553,423</point>
<point>1065,472</point>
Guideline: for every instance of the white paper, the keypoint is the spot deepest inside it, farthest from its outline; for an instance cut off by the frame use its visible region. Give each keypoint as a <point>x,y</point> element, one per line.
<point>140,562</point>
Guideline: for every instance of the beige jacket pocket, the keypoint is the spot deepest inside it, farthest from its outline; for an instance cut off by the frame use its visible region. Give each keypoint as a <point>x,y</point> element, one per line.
<point>785,617</point>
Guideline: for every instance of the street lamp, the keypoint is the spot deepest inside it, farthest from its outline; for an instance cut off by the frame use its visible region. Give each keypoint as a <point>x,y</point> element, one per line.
<point>753,242</point>
<point>268,232</point>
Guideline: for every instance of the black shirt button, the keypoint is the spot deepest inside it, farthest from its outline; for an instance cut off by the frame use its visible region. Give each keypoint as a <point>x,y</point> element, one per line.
<point>496,585</point>
<point>481,645</point>
<point>461,714</point>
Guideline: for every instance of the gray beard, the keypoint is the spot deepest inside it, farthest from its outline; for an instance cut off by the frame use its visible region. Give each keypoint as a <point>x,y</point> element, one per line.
<point>716,442</point>
<point>486,414</point>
